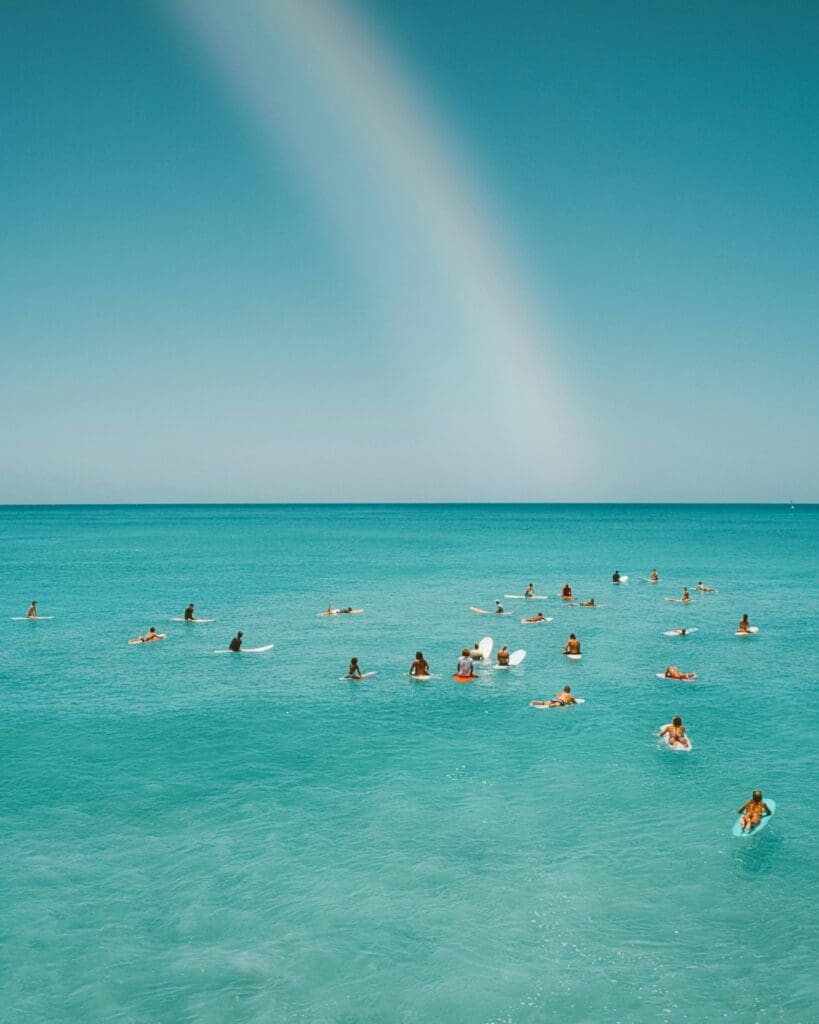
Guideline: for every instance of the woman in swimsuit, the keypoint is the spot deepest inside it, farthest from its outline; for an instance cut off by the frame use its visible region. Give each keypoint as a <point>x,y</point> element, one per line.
<point>503,655</point>
<point>753,811</point>
<point>419,667</point>
<point>744,625</point>
<point>674,733</point>
<point>354,672</point>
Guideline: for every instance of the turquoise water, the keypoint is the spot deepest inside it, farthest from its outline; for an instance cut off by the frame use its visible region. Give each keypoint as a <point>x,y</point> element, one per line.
<point>186,836</point>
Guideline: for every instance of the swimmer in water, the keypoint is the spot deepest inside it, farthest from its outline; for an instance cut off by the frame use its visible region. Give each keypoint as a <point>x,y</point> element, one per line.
<point>354,672</point>
<point>744,625</point>
<point>32,611</point>
<point>235,644</point>
<point>672,672</point>
<point>615,576</point>
<point>567,593</point>
<point>466,667</point>
<point>540,617</point>
<point>674,733</point>
<point>503,655</point>
<point>572,645</point>
<point>419,667</point>
<point>189,616</point>
<point>529,591</point>
<point>705,590</point>
<point>560,701</point>
<point>654,576</point>
<point>753,811</point>
<point>150,636</point>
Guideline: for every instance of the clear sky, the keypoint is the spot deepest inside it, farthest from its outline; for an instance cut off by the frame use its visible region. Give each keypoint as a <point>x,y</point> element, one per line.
<point>390,250</point>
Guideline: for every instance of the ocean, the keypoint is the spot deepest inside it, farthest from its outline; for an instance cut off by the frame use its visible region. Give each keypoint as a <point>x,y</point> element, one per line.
<point>188,836</point>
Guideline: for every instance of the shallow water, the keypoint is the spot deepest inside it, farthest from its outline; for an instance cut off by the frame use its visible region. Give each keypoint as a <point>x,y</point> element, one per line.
<point>189,836</point>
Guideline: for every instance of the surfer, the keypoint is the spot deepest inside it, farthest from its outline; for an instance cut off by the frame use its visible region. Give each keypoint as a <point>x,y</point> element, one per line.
<point>466,667</point>
<point>476,654</point>
<point>679,632</point>
<point>654,576</point>
<point>674,733</point>
<point>587,604</point>
<point>354,672</point>
<point>540,617</point>
<point>567,593</point>
<point>572,645</point>
<point>529,591</point>
<point>503,655</point>
<point>419,667</point>
<point>753,811</point>
<point>705,590</point>
<point>615,576</point>
<point>235,644</point>
<point>685,595</point>
<point>560,701</point>
<point>189,616</point>
<point>672,672</point>
<point>150,636</point>
<point>32,611</point>
<point>344,611</point>
<point>498,608</point>
<point>744,625</point>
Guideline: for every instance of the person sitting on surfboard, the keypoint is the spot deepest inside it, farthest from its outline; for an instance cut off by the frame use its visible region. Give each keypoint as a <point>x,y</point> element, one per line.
<point>672,672</point>
<point>753,811</point>
<point>567,593</point>
<point>419,667</point>
<point>189,617</point>
<point>354,672</point>
<point>685,595</point>
<point>653,576</point>
<point>615,576</point>
<point>540,617</point>
<point>235,644</point>
<point>572,645</point>
<point>476,654</point>
<point>503,655</point>
<point>529,591</point>
<point>466,667</point>
<point>744,625</point>
<point>674,733</point>
<point>32,611</point>
<point>706,590</point>
<point>498,608</point>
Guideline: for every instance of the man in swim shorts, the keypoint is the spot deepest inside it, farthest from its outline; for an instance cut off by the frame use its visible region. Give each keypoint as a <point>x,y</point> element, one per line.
<point>753,811</point>
<point>567,593</point>
<point>189,613</point>
<point>529,591</point>
<point>32,611</point>
<point>466,667</point>
<point>561,700</point>
<point>476,654</point>
<point>674,733</point>
<point>498,608</point>
<point>587,604</point>
<point>503,655</point>
<point>615,576</point>
<point>151,635</point>
<point>572,645</point>
<point>705,590</point>
<point>653,576</point>
<point>672,672</point>
<point>540,617</point>
<point>235,644</point>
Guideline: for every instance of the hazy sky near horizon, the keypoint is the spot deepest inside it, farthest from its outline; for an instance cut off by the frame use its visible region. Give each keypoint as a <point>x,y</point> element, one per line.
<point>348,250</point>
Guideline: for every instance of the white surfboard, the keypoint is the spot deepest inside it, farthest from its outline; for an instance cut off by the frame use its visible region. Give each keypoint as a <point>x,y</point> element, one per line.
<point>485,647</point>
<point>677,746</point>
<point>662,675</point>
<point>676,632</point>
<point>368,675</point>
<point>248,650</point>
<point>751,631</point>
<point>525,597</point>
<point>623,579</point>
<point>532,622</point>
<point>574,657</point>
<point>645,579</point>
<point>30,618</point>
<point>177,619</point>
<point>542,706</point>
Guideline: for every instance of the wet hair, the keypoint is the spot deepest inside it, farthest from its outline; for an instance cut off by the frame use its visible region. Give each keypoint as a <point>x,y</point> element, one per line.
<point>757,794</point>
<point>353,661</point>
<point>572,636</point>
<point>419,656</point>
<point>240,633</point>
<point>567,689</point>
<point>676,720</point>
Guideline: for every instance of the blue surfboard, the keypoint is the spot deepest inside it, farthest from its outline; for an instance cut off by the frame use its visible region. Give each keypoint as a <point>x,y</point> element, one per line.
<point>737,831</point>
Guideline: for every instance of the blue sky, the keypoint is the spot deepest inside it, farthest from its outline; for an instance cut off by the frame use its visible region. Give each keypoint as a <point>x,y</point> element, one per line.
<point>409,251</point>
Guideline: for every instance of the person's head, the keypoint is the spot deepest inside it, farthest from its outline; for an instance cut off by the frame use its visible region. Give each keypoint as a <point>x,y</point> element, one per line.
<point>190,605</point>
<point>572,636</point>
<point>497,601</point>
<point>676,720</point>
<point>240,634</point>
<point>745,617</point>
<point>419,656</point>
<point>567,689</point>
<point>152,629</point>
<point>757,794</point>
<point>465,652</point>
<point>353,661</point>
<point>504,647</point>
